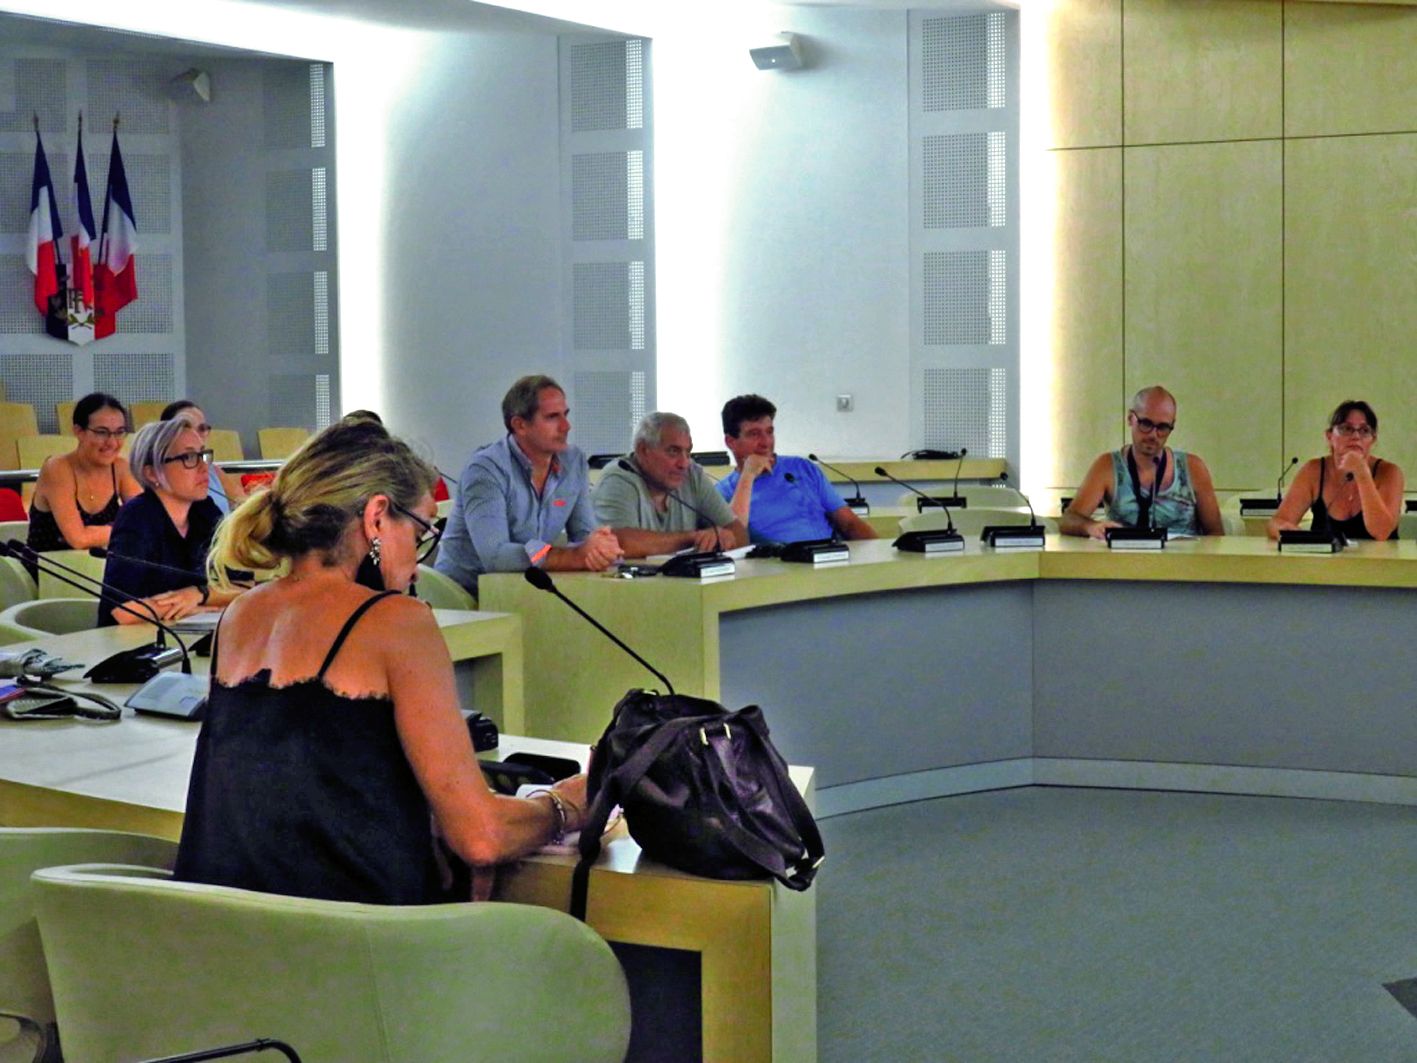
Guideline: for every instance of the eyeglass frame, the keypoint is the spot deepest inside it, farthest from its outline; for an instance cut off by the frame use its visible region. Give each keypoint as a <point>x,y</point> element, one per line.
<point>192,458</point>
<point>106,434</point>
<point>1146,424</point>
<point>1348,431</point>
<point>428,541</point>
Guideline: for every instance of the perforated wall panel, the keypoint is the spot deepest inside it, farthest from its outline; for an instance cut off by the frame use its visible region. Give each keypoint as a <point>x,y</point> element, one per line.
<point>608,404</point>
<point>133,377</point>
<point>600,195</point>
<point>966,408</point>
<point>41,88</point>
<point>149,186</point>
<point>317,105</point>
<point>16,179</point>
<point>286,96</point>
<point>319,210</point>
<point>135,91</point>
<point>294,400</point>
<point>39,379</point>
<point>607,86</point>
<point>965,297</point>
<point>320,294</point>
<point>963,63</point>
<point>18,316</point>
<point>153,310</point>
<point>322,400</point>
<point>289,211</point>
<point>290,313</point>
<point>609,300</point>
<point>964,181</point>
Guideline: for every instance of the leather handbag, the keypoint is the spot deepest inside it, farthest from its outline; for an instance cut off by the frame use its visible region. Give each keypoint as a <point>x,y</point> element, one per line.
<point>703,790</point>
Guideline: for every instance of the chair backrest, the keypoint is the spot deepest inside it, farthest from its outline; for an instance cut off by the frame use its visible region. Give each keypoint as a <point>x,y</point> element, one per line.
<point>146,412</point>
<point>12,509</point>
<point>56,616</point>
<point>226,444</point>
<point>82,560</point>
<point>64,414</point>
<point>17,419</point>
<point>281,442</point>
<point>34,449</point>
<point>143,966</point>
<point>442,592</point>
<point>16,584</point>
<point>24,980</point>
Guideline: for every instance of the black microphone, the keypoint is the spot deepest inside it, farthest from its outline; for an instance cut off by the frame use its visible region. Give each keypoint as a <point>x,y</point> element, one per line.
<point>949,517</point>
<point>695,510</point>
<point>1279,484</point>
<point>103,554</point>
<point>857,503</point>
<point>956,499</point>
<point>127,666</point>
<point>541,580</point>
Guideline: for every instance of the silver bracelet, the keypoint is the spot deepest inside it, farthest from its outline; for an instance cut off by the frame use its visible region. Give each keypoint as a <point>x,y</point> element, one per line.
<point>558,805</point>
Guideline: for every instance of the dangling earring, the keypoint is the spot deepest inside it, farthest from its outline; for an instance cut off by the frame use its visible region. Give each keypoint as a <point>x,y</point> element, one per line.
<point>376,551</point>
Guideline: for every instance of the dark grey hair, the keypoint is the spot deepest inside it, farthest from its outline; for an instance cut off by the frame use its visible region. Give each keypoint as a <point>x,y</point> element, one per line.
<point>651,429</point>
<point>523,397</point>
<point>150,447</point>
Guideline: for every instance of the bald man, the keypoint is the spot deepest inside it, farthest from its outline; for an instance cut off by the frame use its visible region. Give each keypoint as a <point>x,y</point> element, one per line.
<point>1127,480</point>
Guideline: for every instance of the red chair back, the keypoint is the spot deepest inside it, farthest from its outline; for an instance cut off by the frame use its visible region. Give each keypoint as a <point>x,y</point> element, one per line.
<point>12,507</point>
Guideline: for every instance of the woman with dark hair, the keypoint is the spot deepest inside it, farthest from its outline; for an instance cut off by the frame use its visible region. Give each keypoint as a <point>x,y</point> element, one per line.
<point>332,755</point>
<point>1350,492</point>
<point>79,494</point>
<point>225,491</point>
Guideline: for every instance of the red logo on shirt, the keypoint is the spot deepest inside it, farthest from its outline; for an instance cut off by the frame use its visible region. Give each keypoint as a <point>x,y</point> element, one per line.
<point>558,501</point>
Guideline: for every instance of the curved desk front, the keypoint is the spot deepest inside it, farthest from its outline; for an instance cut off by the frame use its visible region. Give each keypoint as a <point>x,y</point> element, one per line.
<point>1216,664</point>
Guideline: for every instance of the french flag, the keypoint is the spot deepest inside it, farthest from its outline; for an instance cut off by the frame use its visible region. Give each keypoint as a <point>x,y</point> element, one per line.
<point>42,250</point>
<point>80,263</point>
<point>115,275</point>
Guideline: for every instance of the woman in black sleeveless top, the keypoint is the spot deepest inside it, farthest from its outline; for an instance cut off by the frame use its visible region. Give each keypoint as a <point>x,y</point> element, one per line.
<point>1349,492</point>
<point>332,751</point>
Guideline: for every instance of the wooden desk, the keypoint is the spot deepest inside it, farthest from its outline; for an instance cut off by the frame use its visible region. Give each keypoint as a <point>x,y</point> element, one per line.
<point>901,678</point>
<point>756,941</point>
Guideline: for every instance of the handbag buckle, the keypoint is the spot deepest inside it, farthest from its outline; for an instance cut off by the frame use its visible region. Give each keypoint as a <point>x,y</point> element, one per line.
<point>703,733</point>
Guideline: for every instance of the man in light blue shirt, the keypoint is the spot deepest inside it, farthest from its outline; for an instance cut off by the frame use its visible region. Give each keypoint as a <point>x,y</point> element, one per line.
<point>781,499</point>
<point>517,495</point>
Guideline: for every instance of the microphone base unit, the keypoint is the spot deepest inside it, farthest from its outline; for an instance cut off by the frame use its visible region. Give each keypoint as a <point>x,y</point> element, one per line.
<point>483,731</point>
<point>1014,536</point>
<point>171,694</point>
<point>816,552</point>
<point>134,666</point>
<point>931,543</point>
<point>859,506</point>
<point>1298,541</point>
<point>941,502</point>
<point>1136,538</point>
<point>707,565</point>
<point>1259,507</point>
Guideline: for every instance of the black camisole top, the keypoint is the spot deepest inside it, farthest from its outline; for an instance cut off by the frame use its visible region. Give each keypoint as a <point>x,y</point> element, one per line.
<point>1351,527</point>
<point>44,533</point>
<point>303,791</point>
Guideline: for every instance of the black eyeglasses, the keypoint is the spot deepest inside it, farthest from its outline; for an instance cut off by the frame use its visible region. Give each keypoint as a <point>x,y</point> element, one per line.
<point>428,540</point>
<point>191,459</point>
<point>1161,428</point>
<point>108,433</point>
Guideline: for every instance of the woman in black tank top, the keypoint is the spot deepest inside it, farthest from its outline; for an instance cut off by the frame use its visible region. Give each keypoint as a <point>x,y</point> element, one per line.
<point>1349,492</point>
<point>333,758</point>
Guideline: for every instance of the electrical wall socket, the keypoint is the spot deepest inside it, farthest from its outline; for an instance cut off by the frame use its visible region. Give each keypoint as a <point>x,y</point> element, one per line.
<point>844,404</point>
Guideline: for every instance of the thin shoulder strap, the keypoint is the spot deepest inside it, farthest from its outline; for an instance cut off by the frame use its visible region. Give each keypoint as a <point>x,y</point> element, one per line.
<point>364,607</point>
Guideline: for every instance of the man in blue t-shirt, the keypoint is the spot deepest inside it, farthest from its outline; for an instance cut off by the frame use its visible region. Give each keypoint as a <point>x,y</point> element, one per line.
<point>780,499</point>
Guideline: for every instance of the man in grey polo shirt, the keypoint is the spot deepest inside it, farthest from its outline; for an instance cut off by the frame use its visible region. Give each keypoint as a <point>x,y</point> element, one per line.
<point>650,506</point>
<point>518,494</point>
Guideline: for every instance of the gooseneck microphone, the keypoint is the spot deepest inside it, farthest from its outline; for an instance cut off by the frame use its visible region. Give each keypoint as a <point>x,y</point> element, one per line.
<point>956,499</point>
<point>695,510</point>
<point>857,502</point>
<point>949,517</point>
<point>541,580</point>
<point>1279,484</point>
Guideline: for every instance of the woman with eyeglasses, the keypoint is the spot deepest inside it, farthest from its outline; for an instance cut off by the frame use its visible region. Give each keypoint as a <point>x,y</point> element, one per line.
<point>1349,492</point>
<point>333,757</point>
<point>224,490</point>
<point>158,549</point>
<point>79,494</point>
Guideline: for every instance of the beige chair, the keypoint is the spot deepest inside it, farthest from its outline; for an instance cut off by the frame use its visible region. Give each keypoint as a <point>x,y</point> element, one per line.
<point>53,616</point>
<point>143,966</point>
<point>14,529</point>
<point>33,450</point>
<point>82,560</point>
<point>17,420</point>
<point>142,413</point>
<point>64,414</point>
<point>281,443</point>
<point>16,583</point>
<point>442,592</point>
<point>226,444</point>
<point>24,978</point>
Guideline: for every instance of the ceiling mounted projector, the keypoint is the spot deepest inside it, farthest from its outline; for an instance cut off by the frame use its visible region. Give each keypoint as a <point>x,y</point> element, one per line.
<point>783,54</point>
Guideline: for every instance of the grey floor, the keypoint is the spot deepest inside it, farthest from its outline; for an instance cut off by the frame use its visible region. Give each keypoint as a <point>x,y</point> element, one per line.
<point>1067,924</point>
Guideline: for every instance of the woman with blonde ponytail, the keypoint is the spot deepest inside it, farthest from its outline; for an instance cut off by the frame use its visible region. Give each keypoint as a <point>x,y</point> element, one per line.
<point>333,754</point>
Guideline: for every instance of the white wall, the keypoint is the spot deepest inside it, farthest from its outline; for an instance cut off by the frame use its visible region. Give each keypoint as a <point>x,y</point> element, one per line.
<point>783,236</point>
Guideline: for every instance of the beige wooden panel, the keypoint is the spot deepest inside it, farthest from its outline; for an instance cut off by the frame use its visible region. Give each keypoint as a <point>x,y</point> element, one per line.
<point>1350,224</point>
<point>1085,410</point>
<point>1349,69</point>
<point>1082,78</point>
<point>1201,70</point>
<point>1203,298</point>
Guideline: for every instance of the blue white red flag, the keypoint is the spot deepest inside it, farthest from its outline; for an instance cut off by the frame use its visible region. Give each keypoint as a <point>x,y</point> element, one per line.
<point>115,274</point>
<point>42,248</point>
<point>80,257</point>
